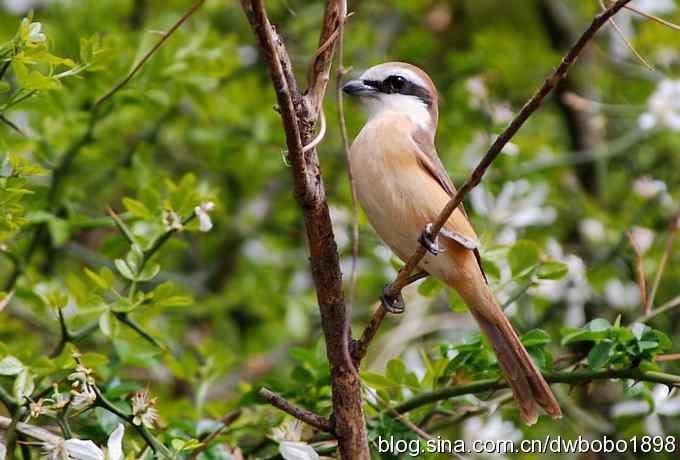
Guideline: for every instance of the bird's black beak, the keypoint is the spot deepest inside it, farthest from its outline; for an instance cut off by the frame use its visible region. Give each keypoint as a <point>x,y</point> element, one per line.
<point>358,88</point>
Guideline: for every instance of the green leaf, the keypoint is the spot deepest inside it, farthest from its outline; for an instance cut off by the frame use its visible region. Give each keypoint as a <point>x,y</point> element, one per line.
<point>176,301</point>
<point>378,381</point>
<point>599,354</point>
<point>108,324</point>
<point>98,280</point>
<point>599,325</point>
<point>9,365</point>
<point>4,87</point>
<point>23,385</point>
<point>396,370</point>
<point>137,208</point>
<point>59,230</point>
<point>535,337</point>
<point>150,271</point>
<point>552,270</point>
<point>124,269</point>
<point>430,287</point>
<point>523,255</point>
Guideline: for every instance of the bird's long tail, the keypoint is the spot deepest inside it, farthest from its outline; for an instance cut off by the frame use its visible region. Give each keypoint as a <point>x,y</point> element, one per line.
<point>528,385</point>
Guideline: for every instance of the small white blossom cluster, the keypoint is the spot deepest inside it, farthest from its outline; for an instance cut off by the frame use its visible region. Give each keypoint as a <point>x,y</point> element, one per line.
<point>649,188</point>
<point>291,447</point>
<point>48,406</point>
<point>573,289</point>
<point>82,388</point>
<point>663,107</point>
<point>478,98</point>
<point>143,410</point>
<point>205,224</point>
<point>518,205</point>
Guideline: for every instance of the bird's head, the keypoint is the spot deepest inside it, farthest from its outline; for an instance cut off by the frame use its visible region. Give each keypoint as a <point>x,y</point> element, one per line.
<point>397,87</point>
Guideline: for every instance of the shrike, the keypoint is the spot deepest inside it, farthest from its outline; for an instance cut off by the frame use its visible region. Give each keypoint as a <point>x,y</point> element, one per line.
<point>403,186</point>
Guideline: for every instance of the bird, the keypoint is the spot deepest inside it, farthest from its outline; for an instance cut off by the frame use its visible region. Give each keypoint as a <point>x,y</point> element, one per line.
<point>402,187</point>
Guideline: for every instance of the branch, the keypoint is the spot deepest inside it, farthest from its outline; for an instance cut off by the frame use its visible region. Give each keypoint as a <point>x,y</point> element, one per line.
<point>148,54</point>
<point>573,377</point>
<point>394,289</point>
<point>299,114</point>
<point>670,237</point>
<point>350,175</point>
<point>310,418</point>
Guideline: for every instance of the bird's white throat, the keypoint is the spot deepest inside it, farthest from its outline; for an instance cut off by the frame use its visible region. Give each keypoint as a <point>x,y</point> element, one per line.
<point>411,106</point>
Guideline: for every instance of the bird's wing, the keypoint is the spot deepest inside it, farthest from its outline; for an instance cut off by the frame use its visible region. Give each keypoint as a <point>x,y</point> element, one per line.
<point>430,161</point>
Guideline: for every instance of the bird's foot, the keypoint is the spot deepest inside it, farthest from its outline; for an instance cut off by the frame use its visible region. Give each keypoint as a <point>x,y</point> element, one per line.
<point>393,303</point>
<point>428,240</point>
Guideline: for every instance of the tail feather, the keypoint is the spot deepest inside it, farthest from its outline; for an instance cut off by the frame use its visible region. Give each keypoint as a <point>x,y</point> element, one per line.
<point>527,384</point>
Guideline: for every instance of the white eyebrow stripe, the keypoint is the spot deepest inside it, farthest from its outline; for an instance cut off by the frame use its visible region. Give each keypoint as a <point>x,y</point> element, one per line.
<point>380,73</point>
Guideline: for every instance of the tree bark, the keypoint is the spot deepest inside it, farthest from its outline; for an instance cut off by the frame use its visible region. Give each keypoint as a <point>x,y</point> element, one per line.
<point>299,114</point>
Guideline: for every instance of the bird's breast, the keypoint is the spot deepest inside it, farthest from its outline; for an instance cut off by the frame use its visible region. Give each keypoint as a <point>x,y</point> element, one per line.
<point>390,184</point>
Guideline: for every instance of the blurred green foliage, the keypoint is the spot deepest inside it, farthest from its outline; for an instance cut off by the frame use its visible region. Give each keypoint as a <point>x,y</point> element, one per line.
<point>200,320</point>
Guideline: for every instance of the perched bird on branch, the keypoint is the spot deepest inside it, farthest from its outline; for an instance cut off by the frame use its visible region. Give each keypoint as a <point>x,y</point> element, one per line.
<point>403,186</point>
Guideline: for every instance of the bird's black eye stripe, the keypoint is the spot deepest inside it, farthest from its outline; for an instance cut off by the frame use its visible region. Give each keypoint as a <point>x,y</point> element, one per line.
<point>400,85</point>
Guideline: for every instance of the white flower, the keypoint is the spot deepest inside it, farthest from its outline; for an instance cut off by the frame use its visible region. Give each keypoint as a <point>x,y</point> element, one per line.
<point>172,220</point>
<point>205,224</point>
<point>510,149</point>
<point>291,450</point>
<point>143,411</point>
<point>3,451</point>
<point>34,34</point>
<point>622,296</point>
<point>83,395</point>
<point>289,435</point>
<point>663,107</point>
<point>643,238</point>
<point>20,7</point>
<point>655,6</point>
<point>501,112</point>
<point>491,428</point>
<point>648,187</point>
<point>79,449</point>
<point>289,430</point>
<point>664,404</point>
<point>72,449</point>
<point>518,205</point>
<point>477,91</point>
<point>593,230</point>
<point>114,444</point>
<point>574,288</point>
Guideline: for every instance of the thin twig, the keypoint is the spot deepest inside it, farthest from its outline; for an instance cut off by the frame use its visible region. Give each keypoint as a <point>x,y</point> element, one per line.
<point>494,151</point>
<point>668,306</point>
<point>226,421</point>
<point>148,54</point>
<point>639,267</point>
<point>653,18</point>
<point>310,418</point>
<point>350,175</point>
<point>670,237</point>
<point>629,45</point>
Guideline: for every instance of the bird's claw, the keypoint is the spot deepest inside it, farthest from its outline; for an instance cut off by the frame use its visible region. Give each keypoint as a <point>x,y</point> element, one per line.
<point>392,303</point>
<point>429,242</point>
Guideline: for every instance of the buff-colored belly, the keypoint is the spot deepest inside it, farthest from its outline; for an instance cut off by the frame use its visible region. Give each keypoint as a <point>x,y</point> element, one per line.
<point>398,197</point>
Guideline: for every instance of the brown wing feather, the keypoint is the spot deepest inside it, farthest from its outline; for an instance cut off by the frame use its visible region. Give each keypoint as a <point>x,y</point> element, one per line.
<point>429,159</point>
